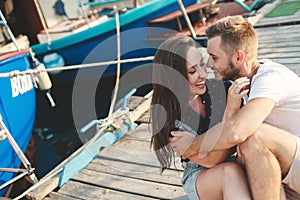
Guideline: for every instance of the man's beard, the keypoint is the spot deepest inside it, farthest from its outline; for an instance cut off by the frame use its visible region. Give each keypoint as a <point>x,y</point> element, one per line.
<point>231,73</point>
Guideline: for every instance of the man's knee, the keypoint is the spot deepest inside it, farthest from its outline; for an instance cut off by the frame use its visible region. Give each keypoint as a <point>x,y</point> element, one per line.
<point>255,143</point>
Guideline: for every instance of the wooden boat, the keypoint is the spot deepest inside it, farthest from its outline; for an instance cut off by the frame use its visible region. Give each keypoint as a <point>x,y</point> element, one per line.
<point>97,43</point>
<point>74,42</point>
<point>17,111</point>
<point>17,108</point>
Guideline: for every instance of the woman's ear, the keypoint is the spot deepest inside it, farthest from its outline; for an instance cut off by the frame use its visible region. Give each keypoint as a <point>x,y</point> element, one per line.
<point>240,56</point>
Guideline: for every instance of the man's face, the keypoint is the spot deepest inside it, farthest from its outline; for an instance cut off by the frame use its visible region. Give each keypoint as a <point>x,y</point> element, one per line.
<point>219,62</point>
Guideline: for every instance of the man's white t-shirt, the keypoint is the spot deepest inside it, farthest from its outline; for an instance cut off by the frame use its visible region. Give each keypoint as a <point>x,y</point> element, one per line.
<point>277,82</point>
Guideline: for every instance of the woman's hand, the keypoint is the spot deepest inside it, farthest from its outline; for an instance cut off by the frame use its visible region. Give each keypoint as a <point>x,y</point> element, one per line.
<point>237,90</point>
<point>181,142</point>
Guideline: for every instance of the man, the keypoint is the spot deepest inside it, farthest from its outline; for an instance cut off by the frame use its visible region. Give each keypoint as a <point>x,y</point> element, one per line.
<point>267,128</point>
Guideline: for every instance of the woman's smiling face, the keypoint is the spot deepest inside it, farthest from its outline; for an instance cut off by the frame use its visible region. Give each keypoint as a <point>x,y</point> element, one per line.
<point>196,72</point>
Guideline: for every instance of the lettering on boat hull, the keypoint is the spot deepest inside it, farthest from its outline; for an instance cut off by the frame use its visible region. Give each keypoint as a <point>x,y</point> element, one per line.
<point>20,85</point>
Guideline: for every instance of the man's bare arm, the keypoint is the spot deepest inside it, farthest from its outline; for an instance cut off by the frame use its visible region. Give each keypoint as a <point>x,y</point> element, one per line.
<point>233,131</point>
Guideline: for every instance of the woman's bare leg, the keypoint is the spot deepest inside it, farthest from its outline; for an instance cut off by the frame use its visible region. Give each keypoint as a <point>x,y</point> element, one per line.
<point>225,181</point>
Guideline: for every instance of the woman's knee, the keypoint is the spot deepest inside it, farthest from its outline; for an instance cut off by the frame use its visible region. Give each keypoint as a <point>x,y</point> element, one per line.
<point>231,171</point>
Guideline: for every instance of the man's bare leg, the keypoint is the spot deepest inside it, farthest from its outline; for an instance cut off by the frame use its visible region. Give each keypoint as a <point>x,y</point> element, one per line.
<point>267,156</point>
<point>282,193</point>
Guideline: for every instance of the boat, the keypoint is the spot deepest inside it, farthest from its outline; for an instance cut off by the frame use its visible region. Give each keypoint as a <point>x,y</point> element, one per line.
<point>96,43</point>
<point>91,43</point>
<point>17,108</point>
<point>92,38</point>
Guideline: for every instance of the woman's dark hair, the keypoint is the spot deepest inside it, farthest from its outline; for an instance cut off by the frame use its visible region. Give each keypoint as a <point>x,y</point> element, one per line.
<point>170,94</point>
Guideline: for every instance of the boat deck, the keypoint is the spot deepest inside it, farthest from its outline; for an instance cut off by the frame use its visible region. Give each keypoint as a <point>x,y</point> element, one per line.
<point>129,170</point>
<point>208,12</point>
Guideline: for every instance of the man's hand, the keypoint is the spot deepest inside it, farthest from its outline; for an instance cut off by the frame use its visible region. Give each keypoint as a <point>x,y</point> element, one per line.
<point>181,142</point>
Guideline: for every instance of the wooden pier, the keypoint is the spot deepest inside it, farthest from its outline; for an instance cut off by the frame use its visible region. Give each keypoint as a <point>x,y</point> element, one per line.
<point>129,169</point>
<point>279,40</point>
<point>126,170</point>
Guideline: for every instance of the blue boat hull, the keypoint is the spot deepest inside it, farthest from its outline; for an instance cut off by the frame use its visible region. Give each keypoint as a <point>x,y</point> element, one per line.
<point>17,108</point>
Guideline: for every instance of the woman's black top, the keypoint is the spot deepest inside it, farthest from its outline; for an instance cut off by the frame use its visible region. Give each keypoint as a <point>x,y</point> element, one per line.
<point>214,100</point>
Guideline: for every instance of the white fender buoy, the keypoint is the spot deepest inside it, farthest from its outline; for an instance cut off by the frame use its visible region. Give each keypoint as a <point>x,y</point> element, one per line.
<point>42,78</point>
<point>43,81</point>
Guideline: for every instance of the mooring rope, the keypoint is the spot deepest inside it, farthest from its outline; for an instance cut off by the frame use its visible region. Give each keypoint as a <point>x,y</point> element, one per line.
<point>114,98</point>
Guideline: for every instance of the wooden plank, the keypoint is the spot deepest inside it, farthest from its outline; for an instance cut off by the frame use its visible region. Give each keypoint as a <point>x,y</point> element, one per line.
<point>58,196</point>
<point>136,149</point>
<point>145,118</point>
<point>294,66</point>
<point>44,189</point>
<point>134,156</point>
<point>287,60</point>
<point>282,44</point>
<point>136,113</point>
<point>279,39</point>
<point>132,170</point>
<point>138,157</point>
<point>290,30</point>
<point>270,30</point>
<point>85,191</point>
<point>273,30</point>
<point>130,185</point>
<point>142,132</point>
<point>134,101</point>
<point>278,50</point>
<point>286,55</point>
<point>276,38</point>
<point>276,21</point>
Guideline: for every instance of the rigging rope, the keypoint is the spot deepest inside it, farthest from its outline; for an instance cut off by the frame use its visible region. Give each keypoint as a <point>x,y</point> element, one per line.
<point>72,67</point>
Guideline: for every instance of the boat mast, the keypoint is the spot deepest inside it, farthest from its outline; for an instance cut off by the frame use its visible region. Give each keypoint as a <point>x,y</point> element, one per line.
<point>188,21</point>
<point>41,16</point>
<point>84,13</point>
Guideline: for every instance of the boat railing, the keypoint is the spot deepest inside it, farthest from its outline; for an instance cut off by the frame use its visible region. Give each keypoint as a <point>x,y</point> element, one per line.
<point>28,169</point>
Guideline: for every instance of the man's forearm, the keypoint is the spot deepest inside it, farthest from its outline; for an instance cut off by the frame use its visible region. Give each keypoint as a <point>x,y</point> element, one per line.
<point>211,140</point>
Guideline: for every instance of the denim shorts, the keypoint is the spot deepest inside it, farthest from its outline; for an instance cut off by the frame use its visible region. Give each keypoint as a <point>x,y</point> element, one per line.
<point>191,172</point>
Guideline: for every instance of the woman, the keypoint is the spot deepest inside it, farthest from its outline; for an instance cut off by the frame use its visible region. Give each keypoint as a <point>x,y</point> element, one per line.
<point>182,95</point>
